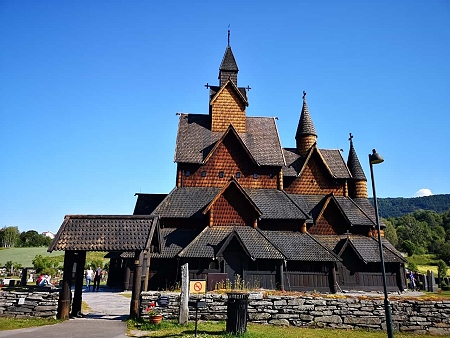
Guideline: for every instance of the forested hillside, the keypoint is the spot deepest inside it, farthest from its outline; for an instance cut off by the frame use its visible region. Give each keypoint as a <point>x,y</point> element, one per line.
<point>399,206</point>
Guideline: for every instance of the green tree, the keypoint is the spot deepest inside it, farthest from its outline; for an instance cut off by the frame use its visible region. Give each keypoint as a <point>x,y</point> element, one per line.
<point>390,233</point>
<point>32,238</point>
<point>46,265</point>
<point>443,252</point>
<point>442,269</point>
<point>9,236</point>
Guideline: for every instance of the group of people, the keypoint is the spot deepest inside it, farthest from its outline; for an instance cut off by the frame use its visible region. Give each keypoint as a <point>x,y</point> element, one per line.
<point>95,276</point>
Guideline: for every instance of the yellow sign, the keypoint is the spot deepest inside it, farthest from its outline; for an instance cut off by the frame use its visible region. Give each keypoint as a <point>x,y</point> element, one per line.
<point>197,286</point>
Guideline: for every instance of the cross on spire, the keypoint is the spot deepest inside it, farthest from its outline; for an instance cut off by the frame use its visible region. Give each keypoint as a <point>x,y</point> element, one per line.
<point>228,35</point>
<point>304,95</point>
<point>207,85</point>
<point>248,88</point>
<point>351,136</point>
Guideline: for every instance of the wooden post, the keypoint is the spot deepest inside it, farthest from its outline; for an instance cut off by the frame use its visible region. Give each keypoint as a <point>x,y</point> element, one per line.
<point>332,278</point>
<point>136,293</point>
<point>127,277</point>
<point>64,295</point>
<point>281,269</point>
<point>184,297</point>
<point>147,272</point>
<point>80,261</point>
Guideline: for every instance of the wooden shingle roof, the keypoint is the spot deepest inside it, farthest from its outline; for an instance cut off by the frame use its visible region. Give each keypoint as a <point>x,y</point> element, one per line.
<point>300,247</point>
<point>305,125</point>
<point>173,240</point>
<point>332,158</point>
<point>186,202</point>
<point>276,204</point>
<point>192,202</point>
<point>212,241</point>
<point>195,140</point>
<point>228,61</point>
<point>367,248</point>
<point>353,163</point>
<point>104,233</point>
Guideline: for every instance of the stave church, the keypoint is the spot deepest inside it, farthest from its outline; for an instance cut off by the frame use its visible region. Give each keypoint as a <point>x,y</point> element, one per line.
<point>245,210</point>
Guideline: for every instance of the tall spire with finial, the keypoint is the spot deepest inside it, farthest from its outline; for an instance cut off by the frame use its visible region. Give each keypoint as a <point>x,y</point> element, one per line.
<point>358,184</point>
<point>306,134</point>
<point>228,68</point>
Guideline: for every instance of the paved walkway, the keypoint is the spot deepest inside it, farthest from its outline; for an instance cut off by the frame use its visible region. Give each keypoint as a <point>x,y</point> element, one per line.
<point>108,310</point>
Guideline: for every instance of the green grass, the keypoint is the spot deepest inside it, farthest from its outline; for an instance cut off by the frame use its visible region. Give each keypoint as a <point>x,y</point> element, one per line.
<point>25,256</point>
<point>217,329</point>
<point>22,323</point>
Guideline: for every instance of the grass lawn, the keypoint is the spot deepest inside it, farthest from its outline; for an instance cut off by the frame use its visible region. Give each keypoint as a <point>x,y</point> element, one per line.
<point>25,256</point>
<point>217,329</point>
<point>21,323</point>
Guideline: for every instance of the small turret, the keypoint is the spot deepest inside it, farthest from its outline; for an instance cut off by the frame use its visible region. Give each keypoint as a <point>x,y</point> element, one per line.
<point>306,134</point>
<point>228,68</point>
<point>358,182</point>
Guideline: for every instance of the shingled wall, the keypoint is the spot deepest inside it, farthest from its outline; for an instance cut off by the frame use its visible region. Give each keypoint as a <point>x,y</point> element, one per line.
<point>409,315</point>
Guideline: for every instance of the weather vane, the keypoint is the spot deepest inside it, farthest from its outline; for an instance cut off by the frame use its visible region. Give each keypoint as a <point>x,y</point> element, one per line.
<point>228,35</point>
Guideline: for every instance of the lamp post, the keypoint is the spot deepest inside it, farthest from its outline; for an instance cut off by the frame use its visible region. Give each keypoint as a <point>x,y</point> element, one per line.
<point>376,158</point>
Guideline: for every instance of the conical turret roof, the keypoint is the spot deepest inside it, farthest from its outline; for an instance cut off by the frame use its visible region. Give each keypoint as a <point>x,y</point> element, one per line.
<point>305,125</point>
<point>228,62</point>
<point>353,163</point>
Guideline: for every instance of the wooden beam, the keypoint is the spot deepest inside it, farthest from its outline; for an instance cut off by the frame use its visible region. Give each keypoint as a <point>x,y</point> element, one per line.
<point>80,261</point>
<point>64,296</point>
<point>136,293</point>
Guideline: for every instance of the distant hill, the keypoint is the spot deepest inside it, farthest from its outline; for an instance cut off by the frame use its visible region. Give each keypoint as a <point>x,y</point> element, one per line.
<point>399,206</point>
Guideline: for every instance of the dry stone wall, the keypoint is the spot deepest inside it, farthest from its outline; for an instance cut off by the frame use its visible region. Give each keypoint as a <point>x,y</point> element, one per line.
<point>22,303</point>
<point>409,315</point>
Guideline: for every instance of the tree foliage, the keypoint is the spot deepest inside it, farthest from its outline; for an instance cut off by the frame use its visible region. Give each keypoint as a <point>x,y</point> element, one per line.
<point>46,265</point>
<point>399,206</point>
<point>9,236</point>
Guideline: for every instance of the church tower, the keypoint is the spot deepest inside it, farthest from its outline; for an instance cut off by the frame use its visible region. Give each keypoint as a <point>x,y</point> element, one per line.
<point>228,102</point>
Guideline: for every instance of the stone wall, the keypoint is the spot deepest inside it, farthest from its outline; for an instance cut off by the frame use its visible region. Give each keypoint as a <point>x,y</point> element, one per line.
<point>28,302</point>
<point>334,311</point>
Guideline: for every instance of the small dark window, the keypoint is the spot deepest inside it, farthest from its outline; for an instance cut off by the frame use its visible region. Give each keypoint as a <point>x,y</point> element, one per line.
<point>203,173</point>
<point>271,175</point>
<point>238,175</point>
<point>187,173</point>
<point>221,174</point>
<point>255,175</point>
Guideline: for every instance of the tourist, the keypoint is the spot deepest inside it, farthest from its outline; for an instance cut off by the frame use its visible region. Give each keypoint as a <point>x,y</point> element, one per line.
<point>89,275</point>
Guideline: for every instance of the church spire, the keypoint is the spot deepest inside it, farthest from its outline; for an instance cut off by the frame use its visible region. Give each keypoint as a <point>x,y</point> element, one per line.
<point>228,68</point>
<point>358,184</point>
<point>306,134</point>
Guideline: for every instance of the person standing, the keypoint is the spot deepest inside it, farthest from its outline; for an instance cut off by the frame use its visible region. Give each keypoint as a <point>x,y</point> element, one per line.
<point>89,275</point>
<point>97,278</point>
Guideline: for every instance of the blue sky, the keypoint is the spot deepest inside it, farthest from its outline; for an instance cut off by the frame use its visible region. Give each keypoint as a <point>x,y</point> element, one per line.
<point>89,92</point>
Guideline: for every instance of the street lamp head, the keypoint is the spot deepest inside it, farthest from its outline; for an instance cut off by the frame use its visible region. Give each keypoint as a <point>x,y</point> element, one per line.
<point>375,158</point>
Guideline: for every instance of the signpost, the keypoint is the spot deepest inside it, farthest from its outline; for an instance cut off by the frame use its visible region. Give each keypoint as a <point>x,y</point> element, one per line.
<point>197,287</point>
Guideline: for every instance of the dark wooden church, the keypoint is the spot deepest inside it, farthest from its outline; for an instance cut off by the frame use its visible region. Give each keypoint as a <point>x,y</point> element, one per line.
<point>286,218</point>
<point>246,209</point>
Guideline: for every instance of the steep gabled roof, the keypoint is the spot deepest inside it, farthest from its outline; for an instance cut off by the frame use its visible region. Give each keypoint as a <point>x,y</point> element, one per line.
<point>146,203</point>
<point>195,140</point>
<point>353,163</point>
<point>276,204</point>
<point>300,247</point>
<point>233,182</point>
<point>230,131</point>
<point>213,241</point>
<point>104,233</point>
<point>367,248</point>
<point>228,61</point>
<point>173,240</point>
<point>332,159</point>
<point>186,202</point>
<point>351,211</point>
<point>231,84</point>
<point>214,89</point>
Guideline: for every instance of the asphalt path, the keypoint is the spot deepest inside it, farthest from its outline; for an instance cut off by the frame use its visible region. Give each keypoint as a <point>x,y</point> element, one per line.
<point>109,309</point>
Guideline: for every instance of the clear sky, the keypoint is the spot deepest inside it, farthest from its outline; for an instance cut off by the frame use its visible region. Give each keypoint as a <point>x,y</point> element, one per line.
<point>89,92</point>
